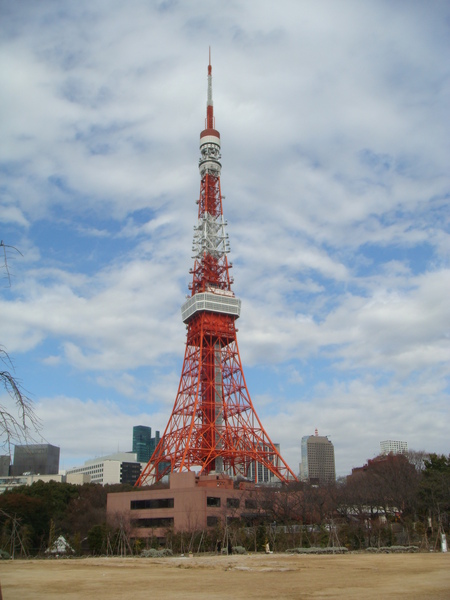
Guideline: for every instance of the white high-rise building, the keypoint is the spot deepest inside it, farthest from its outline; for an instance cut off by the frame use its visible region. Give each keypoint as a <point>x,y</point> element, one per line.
<point>121,467</point>
<point>393,447</point>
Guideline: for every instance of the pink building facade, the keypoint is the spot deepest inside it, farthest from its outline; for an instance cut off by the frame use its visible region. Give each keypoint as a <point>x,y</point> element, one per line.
<point>190,503</point>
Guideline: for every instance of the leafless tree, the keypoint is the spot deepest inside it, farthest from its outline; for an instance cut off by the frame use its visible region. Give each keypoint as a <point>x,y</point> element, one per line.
<point>17,417</point>
<point>417,458</point>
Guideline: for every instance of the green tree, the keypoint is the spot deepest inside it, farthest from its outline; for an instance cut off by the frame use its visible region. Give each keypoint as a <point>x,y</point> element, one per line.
<point>98,538</point>
<point>434,490</point>
<point>32,513</point>
<point>88,507</point>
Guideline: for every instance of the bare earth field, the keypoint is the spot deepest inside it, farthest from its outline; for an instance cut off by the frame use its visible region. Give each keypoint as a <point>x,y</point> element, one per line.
<point>356,576</point>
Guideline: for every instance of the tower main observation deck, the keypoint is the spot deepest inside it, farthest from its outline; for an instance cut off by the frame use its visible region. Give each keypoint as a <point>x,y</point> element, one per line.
<point>213,426</point>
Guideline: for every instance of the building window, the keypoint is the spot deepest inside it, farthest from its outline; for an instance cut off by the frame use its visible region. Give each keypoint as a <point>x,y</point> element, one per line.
<point>231,520</point>
<point>212,521</point>
<point>154,503</point>
<point>210,501</point>
<point>157,522</point>
<point>250,503</point>
<point>232,502</point>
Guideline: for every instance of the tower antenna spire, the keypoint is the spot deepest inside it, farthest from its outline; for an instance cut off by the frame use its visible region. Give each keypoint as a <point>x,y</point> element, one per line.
<point>209,105</point>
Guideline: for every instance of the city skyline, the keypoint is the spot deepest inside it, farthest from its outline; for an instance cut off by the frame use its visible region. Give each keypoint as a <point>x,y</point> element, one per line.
<point>335,160</point>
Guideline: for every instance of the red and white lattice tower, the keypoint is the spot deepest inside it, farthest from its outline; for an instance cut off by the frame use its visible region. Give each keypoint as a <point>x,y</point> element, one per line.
<point>213,426</point>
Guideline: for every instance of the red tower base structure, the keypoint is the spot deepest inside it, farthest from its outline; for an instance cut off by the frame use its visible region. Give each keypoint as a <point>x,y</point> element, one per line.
<point>213,426</point>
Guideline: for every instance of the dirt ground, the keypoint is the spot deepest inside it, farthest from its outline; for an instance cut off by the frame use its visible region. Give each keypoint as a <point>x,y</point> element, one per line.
<point>355,576</point>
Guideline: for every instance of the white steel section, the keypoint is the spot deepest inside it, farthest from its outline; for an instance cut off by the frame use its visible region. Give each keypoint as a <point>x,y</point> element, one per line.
<point>212,302</point>
<point>210,237</point>
<point>209,161</point>
<point>210,100</point>
<point>209,139</point>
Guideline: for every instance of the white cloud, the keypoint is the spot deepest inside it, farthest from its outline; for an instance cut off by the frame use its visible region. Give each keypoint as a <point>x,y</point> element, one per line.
<point>335,172</point>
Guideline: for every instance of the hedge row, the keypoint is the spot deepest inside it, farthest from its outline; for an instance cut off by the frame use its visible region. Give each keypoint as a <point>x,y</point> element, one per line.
<point>393,549</point>
<point>336,550</point>
<point>153,553</point>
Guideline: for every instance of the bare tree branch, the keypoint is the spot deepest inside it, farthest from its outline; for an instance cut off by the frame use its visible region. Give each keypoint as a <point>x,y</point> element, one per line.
<point>16,424</point>
<point>18,420</point>
<point>7,257</point>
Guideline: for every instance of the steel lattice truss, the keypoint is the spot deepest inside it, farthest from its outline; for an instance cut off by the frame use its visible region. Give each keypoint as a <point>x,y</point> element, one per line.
<point>213,425</point>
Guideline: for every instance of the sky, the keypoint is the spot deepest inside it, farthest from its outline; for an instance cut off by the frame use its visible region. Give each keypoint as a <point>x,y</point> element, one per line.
<point>334,122</point>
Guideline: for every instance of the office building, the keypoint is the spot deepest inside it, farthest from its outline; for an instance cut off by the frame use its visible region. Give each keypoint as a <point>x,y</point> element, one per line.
<point>13,482</point>
<point>143,443</point>
<point>5,461</point>
<point>317,464</point>
<point>42,459</point>
<point>121,467</point>
<point>142,436</point>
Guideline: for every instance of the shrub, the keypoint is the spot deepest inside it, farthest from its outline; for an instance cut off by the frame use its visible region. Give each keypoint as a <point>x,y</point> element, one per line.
<point>317,550</point>
<point>392,549</point>
<point>154,553</point>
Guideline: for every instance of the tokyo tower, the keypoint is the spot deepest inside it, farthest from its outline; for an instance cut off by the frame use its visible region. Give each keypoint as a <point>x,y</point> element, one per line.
<point>213,426</point>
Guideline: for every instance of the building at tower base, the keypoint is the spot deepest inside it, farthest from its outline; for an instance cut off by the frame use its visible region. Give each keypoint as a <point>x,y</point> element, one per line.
<point>189,503</point>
